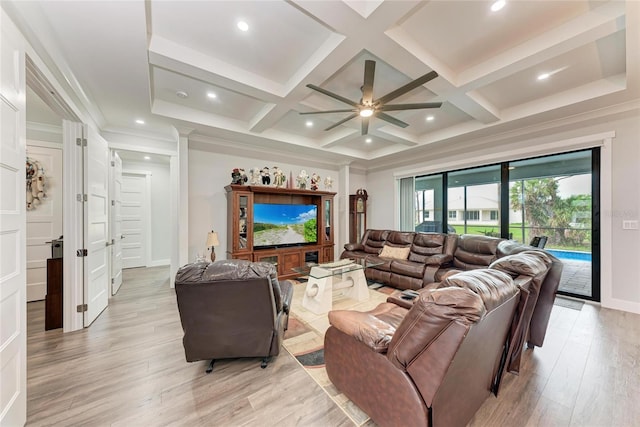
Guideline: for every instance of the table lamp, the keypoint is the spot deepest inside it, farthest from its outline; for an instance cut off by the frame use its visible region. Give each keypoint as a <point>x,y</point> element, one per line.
<point>212,241</point>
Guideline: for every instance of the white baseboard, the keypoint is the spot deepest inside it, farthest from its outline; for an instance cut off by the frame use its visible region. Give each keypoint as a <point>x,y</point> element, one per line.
<point>623,305</point>
<point>36,291</point>
<point>159,263</point>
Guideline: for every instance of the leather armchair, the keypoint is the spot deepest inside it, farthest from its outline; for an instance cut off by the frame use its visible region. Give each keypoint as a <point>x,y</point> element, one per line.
<point>231,309</point>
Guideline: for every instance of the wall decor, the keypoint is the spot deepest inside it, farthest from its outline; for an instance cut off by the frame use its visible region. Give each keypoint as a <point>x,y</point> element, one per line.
<point>328,183</point>
<point>302,179</point>
<point>36,183</point>
<point>278,177</point>
<point>315,181</point>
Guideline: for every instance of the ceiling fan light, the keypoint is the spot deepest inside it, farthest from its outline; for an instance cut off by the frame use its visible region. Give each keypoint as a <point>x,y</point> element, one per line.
<point>366,112</point>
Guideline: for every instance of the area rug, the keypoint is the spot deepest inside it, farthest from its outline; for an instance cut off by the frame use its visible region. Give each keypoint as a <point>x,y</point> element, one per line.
<point>304,339</point>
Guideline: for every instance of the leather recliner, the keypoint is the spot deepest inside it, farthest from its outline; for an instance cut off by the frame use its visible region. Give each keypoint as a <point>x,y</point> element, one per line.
<point>232,309</point>
<point>433,364</point>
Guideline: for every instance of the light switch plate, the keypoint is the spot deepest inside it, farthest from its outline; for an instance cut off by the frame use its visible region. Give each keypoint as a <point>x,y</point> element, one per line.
<point>630,225</point>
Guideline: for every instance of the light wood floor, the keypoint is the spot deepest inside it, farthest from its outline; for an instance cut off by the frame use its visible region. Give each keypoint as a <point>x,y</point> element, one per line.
<point>128,369</point>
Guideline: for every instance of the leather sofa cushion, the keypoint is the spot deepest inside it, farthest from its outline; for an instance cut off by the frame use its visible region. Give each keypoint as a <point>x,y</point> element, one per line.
<point>528,263</point>
<point>492,286</point>
<point>408,268</point>
<point>475,252</point>
<point>374,241</point>
<point>384,263</point>
<point>426,244</point>
<point>432,312</point>
<point>400,238</point>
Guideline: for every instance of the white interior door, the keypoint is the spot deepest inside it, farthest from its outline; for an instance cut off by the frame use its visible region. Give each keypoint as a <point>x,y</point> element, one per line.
<point>96,230</point>
<point>115,190</point>
<point>134,225</point>
<point>44,221</point>
<point>13,227</point>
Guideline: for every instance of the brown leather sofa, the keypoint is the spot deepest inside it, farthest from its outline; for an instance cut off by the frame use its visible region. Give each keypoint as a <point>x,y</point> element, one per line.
<point>437,255</point>
<point>432,363</point>
<point>231,309</point>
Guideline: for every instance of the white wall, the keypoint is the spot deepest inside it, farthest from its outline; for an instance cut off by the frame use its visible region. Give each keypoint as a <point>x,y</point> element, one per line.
<point>209,173</point>
<point>160,209</point>
<point>623,282</point>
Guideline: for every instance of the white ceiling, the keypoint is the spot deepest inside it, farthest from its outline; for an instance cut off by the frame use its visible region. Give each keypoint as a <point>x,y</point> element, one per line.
<point>130,58</point>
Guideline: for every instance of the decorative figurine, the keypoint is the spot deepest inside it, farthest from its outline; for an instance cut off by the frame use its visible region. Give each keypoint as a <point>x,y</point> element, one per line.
<point>238,176</point>
<point>266,179</point>
<point>315,180</point>
<point>278,177</point>
<point>328,183</point>
<point>256,178</point>
<point>302,179</point>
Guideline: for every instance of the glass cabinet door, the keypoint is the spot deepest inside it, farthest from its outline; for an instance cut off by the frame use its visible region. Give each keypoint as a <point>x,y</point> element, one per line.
<point>328,234</point>
<point>243,214</point>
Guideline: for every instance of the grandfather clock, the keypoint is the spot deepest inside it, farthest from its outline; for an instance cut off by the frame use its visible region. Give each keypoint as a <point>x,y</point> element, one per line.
<point>357,215</point>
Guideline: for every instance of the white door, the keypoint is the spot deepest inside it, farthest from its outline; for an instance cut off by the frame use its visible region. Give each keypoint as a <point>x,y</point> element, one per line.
<point>96,230</point>
<point>44,219</point>
<point>115,189</point>
<point>13,227</point>
<point>134,224</point>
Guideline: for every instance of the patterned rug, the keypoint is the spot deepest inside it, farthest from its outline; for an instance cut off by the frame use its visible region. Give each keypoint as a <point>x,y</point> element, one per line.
<point>305,339</point>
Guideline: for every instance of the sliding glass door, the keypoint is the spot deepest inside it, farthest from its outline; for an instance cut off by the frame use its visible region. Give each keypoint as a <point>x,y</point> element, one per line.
<point>551,205</point>
<point>549,202</point>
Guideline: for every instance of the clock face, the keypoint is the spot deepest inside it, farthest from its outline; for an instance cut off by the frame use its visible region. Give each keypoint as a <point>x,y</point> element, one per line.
<point>359,205</point>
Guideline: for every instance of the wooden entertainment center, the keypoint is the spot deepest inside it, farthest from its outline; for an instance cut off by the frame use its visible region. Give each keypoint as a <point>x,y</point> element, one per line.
<point>240,226</point>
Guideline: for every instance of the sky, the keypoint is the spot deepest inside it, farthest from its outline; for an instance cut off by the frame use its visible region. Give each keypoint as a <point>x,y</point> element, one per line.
<point>283,214</point>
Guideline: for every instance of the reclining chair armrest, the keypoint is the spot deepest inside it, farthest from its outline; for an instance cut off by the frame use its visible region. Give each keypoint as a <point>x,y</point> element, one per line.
<point>353,247</point>
<point>364,327</point>
<point>434,262</point>
<point>286,289</point>
<point>439,259</point>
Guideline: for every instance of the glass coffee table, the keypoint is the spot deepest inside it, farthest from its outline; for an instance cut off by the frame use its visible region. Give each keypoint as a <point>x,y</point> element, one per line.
<point>346,275</point>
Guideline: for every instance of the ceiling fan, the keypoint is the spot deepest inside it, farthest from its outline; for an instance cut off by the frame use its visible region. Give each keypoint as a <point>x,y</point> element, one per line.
<point>369,107</point>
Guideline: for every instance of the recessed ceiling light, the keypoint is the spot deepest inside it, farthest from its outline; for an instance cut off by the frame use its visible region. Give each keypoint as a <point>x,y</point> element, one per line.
<point>368,140</point>
<point>140,121</point>
<point>182,94</point>
<point>211,95</point>
<point>309,123</point>
<point>430,118</point>
<point>243,26</point>
<point>544,76</point>
<point>147,158</point>
<point>496,6</point>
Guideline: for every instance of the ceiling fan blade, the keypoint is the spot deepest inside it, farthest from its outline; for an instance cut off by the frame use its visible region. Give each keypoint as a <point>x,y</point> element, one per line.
<point>333,95</point>
<point>397,107</point>
<point>351,116</point>
<point>365,125</point>
<point>406,88</point>
<point>350,110</point>
<point>392,120</point>
<point>367,87</point>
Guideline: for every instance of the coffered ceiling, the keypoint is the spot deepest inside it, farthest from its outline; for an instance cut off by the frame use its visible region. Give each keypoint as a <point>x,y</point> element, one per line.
<point>159,60</point>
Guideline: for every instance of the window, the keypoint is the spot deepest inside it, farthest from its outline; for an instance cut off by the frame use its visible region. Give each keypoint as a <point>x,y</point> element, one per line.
<point>473,216</point>
<point>493,215</point>
<point>453,214</point>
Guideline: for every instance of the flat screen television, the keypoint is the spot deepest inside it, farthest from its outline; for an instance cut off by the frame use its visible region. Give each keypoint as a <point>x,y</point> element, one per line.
<point>277,225</point>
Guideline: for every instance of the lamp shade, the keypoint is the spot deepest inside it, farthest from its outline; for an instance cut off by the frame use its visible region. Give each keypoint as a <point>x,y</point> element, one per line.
<point>212,239</point>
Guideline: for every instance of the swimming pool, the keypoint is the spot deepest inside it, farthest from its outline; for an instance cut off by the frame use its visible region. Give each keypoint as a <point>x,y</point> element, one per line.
<point>570,255</point>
